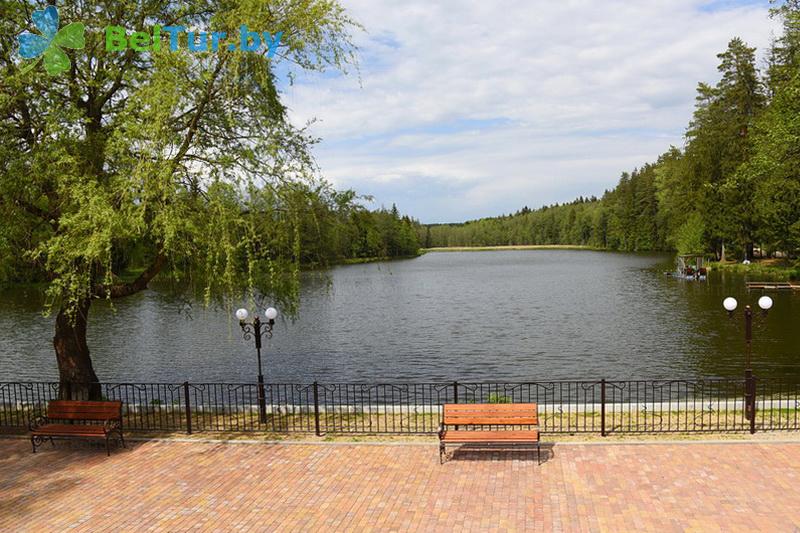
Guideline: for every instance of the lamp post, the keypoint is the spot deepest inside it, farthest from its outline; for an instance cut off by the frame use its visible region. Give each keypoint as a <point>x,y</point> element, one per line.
<point>730,304</point>
<point>256,330</point>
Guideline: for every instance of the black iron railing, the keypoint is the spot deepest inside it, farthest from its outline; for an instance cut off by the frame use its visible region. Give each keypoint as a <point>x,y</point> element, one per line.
<point>603,407</point>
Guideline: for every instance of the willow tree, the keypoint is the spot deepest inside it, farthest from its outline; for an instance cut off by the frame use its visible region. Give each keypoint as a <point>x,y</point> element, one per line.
<point>122,165</point>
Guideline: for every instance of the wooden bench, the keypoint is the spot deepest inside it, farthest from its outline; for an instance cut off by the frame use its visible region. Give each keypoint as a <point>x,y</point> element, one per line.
<point>466,416</point>
<point>78,419</point>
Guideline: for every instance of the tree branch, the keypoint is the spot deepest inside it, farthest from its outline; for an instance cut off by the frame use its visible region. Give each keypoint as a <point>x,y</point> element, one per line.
<point>120,290</point>
<point>198,115</point>
<point>36,211</point>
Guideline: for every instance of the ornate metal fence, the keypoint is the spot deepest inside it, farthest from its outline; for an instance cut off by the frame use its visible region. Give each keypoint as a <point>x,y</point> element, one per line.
<point>603,406</point>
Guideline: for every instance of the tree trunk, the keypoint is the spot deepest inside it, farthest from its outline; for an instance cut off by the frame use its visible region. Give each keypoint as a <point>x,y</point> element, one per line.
<point>76,375</point>
<point>749,251</point>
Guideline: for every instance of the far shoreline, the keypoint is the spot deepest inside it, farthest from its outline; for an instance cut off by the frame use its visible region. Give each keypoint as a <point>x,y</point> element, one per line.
<point>511,247</point>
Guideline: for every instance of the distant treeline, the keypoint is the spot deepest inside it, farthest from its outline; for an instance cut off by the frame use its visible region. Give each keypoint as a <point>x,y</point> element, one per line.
<point>735,183</point>
<point>336,228</point>
<point>308,225</point>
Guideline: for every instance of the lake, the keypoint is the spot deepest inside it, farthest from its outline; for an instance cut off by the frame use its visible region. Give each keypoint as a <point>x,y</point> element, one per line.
<point>471,316</point>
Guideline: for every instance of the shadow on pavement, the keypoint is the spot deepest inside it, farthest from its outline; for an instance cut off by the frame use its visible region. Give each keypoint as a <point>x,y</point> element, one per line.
<point>498,453</point>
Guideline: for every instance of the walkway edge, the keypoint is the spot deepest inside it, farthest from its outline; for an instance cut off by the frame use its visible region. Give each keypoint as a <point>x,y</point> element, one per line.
<point>435,443</point>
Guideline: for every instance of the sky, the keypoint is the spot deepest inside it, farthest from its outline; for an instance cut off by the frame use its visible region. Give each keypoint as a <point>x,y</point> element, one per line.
<point>462,110</point>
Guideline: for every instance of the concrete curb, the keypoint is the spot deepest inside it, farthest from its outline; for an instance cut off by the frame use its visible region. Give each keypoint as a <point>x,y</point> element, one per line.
<point>434,443</point>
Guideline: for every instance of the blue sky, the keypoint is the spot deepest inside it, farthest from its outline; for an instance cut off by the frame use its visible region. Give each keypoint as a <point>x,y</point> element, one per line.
<point>464,110</point>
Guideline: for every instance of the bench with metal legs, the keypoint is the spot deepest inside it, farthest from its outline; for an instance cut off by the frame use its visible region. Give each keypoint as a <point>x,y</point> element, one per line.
<point>75,419</point>
<point>468,421</point>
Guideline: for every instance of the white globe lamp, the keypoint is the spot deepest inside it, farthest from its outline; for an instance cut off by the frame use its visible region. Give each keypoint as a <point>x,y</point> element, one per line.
<point>730,304</point>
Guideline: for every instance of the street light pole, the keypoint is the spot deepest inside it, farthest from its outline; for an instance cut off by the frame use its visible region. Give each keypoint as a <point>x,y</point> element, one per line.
<point>730,304</point>
<point>262,402</point>
<point>256,330</point>
<point>750,391</point>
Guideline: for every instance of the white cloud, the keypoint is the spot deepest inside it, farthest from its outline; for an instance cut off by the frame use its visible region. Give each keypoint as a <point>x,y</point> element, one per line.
<point>513,103</point>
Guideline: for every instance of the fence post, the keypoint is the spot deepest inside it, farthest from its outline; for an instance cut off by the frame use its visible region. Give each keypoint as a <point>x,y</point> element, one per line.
<point>316,409</point>
<point>188,407</point>
<point>602,407</point>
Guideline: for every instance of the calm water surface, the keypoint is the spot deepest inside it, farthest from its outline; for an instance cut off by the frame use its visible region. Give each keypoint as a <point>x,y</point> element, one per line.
<point>488,316</point>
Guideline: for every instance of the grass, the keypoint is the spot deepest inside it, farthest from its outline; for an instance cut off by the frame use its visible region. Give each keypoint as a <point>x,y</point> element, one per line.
<point>422,426</point>
<point>510,247</point>
<point>362,260</point>
<point>764,269</point>
<point>357,261</point>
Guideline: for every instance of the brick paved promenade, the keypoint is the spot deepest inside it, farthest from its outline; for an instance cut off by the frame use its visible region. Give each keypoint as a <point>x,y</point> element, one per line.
<point>175,486</point>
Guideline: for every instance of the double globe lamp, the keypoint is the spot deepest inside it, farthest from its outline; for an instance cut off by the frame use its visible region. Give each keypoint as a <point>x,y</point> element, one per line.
<point>730,304</point>
<point>256,330</point>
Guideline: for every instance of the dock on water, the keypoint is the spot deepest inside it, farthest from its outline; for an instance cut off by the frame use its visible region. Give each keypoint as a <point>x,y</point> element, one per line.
<point>773,285</point>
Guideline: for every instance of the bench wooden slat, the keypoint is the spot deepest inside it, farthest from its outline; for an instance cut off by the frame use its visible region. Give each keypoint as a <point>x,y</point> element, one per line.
<point>77,404</point>
<point>491,421</point>
<point>508,409</point>
<point>491,414</point>
<point>87,403</point>
<point>489,407</point>
<point>70,430</point>
<point>100,412</point>
<point>81,415</point>
<point>84,410</point>
<point>491,436</point>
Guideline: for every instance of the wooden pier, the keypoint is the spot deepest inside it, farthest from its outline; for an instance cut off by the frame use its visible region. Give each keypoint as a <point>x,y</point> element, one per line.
<point>773,285</point>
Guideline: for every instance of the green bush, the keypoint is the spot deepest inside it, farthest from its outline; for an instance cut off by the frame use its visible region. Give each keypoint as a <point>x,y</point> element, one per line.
<point>497,398</point>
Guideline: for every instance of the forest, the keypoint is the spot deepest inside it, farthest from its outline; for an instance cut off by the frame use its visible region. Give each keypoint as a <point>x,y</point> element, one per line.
<point>733,187</point>
<point>336,228</point>
<point>319,226</point>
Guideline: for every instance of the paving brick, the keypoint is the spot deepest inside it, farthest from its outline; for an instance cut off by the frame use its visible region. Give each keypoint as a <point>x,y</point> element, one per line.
<point>184,486</point>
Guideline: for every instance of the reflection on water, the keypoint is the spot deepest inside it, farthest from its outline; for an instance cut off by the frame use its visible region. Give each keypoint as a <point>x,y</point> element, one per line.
<point>488,316</point>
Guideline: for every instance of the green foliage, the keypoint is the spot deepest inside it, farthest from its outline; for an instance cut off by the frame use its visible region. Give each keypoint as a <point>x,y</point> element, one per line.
<point>690,237</point>
<point>773,270</point>
<point>623,219</point>
<point>181,164</point>
<point>719,141</point>
<point>336,228</point>
<point>498,398</point>
<point>774,168</point>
